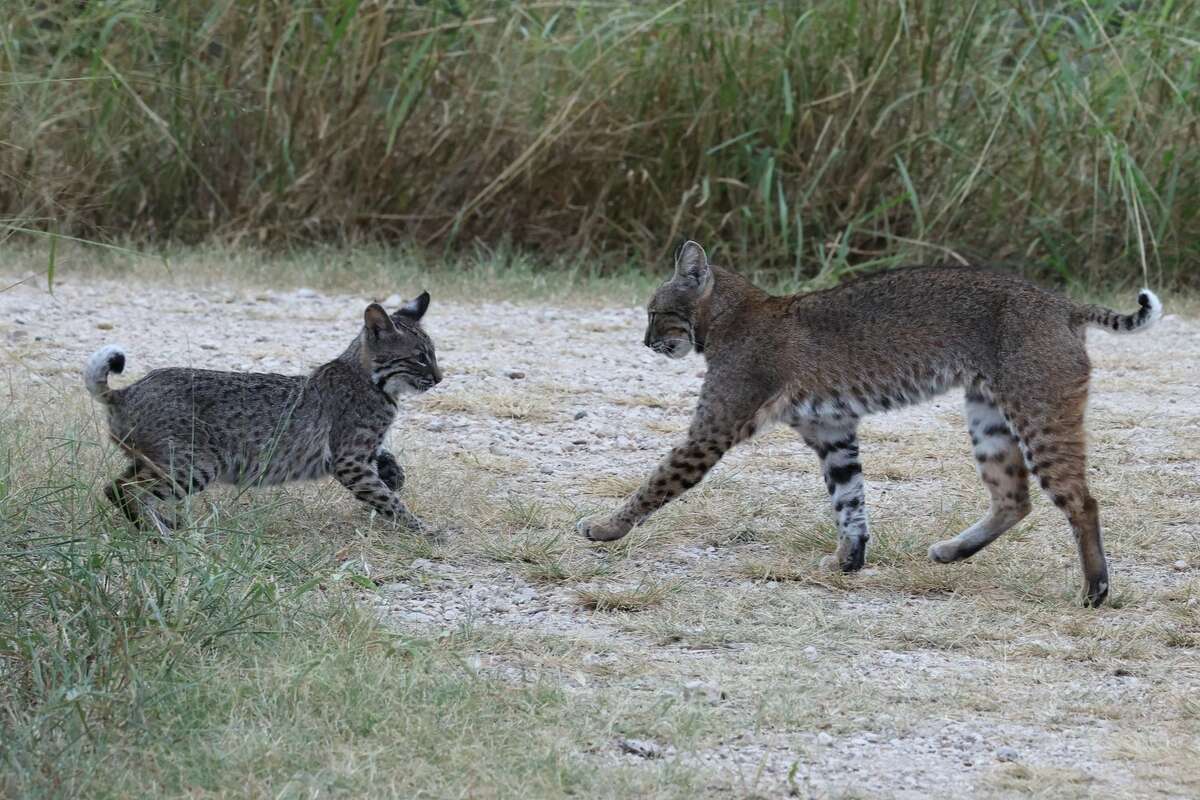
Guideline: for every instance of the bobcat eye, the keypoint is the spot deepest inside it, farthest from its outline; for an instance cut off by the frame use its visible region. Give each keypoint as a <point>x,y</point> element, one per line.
<point>422,361</point>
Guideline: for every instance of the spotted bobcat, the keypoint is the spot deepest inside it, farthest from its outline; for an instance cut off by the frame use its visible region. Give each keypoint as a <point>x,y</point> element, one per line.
<point>821,361</point>
<point>184,428</point>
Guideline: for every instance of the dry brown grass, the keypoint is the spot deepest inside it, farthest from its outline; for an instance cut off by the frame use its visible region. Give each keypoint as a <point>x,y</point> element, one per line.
<point>500,405</point>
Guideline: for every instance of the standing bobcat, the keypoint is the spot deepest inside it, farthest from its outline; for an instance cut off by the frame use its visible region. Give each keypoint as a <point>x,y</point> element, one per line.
<point>821,361</point>
<point>184,428</point>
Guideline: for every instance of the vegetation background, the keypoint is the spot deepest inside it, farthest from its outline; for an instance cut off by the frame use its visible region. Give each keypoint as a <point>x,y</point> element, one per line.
<point>804,139</point>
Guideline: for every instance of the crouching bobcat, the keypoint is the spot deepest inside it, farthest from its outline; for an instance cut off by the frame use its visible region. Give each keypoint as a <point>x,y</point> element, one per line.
<point>184,428</point>
<point>821,361</point>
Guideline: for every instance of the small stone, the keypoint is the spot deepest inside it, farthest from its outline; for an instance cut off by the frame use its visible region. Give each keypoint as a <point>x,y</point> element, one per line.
<point>580,414</point>
<point>104,326</point>
<point>499,604</point>
<point>642,748</point>
<point>706,692</point>
<point>1180,565</point>
<point>1007,754</point>
<point>437,426</point>
<point>515,374</point>
<point>1192,602</point>
<point>824,739</point>
<point>393,300</point>
<point>306,292</point>
<point>810,653</point>
<point>208,347</point>
<point>546,470</point>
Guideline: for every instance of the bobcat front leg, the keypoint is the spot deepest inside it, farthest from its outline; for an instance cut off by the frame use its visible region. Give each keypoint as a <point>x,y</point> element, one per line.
<point>359,475</point>
<point>686,465</point>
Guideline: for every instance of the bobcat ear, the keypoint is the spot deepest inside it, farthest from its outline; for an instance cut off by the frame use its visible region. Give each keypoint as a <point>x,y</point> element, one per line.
<point>691,262</point>
<point>377,320</point>
<point>415,309</point>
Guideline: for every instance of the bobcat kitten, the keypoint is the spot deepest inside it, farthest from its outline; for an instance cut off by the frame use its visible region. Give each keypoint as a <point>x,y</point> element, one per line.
<point>184,428</point>
<point>819,362</point>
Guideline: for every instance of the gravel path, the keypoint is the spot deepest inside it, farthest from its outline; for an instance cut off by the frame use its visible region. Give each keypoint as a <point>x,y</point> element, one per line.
<point>565,408</point>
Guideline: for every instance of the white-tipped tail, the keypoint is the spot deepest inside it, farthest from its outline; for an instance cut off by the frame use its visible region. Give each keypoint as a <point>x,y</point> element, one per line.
<point>1113,322</point>
<point>109,358</point>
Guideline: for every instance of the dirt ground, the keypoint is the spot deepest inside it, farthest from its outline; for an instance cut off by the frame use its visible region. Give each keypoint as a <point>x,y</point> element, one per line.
<point>907,680</point>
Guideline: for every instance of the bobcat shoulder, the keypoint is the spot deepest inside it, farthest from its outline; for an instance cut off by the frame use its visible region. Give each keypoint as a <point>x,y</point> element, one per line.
<point>819,362</point>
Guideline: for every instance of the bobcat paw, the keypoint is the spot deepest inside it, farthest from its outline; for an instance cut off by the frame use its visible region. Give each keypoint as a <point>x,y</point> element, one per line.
<point>850,557</point>
<point>601,531</point>
<point>391,473</point>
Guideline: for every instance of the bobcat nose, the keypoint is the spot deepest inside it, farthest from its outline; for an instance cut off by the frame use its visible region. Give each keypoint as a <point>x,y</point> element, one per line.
<point>437,376</point>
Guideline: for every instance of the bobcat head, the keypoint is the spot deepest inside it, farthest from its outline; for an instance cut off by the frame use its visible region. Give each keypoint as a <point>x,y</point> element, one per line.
<point>397,352</point>
<point>673,308</point>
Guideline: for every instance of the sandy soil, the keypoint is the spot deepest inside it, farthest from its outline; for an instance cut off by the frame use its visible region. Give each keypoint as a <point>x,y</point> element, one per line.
<point>909,680</point>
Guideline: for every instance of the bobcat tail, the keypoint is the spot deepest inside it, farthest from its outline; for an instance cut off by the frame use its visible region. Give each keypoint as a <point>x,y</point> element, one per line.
<point>109,358</point>
<point>1144,317</point>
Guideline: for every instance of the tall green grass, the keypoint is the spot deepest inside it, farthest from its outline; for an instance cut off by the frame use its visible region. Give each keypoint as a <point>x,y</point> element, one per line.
<point>240,657</point>
<point>807,138</point>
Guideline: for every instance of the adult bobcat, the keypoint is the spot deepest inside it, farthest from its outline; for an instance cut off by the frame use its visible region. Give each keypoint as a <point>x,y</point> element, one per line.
<point>184,428</point>
<point>821,361</point>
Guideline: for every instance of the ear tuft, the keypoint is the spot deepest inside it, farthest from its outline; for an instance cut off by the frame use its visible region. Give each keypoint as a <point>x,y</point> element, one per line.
<point>377,320</point>
<point>416,308</point>
<point>691,262</point>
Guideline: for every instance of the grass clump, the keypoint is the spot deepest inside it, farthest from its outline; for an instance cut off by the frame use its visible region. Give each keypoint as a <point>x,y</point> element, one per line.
<point>645,595</point>
<point>807,140</point>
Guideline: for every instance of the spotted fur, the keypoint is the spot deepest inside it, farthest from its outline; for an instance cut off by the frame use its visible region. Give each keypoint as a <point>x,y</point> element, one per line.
<point>183,428</point>
<point>819,362</point>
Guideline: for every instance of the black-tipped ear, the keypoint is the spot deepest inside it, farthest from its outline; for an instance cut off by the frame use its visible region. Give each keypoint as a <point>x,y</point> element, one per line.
<point>691,262</point>
<point>415,309</point>
<point>377,320</point>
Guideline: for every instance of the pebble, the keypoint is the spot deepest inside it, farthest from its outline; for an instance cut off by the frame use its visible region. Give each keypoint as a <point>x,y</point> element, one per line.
<point>104,326</point>
<point>810,653</point>
<point>437,426</point>
<point>580,414</point>
<point>642,748</point>
<point>393,301</point>
<point>499,604</point>
<point>1007,754</point>
<point>1180,565</point>
<point>306,292</point>
<point>706,692</point>
<point>824,739</point>
<point>515,374</point>
<point>546,470</point>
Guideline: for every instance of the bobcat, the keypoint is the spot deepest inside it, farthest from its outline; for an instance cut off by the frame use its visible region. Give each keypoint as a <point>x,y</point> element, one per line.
<point>184,428</point>
<point>819,362</point>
